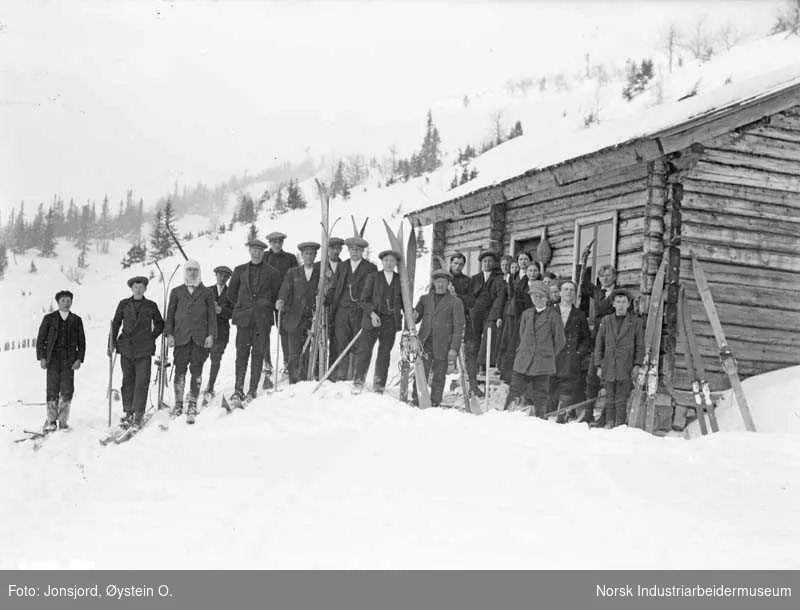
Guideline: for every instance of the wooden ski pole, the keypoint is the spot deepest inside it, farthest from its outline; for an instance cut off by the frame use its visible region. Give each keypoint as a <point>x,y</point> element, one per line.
<point>111,358</point>
<point>338,360</point>
<point>488,360</point>
<point>278,353</point>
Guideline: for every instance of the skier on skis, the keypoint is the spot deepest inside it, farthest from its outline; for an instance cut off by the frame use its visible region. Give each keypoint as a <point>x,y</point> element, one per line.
<point>282,261</point>
<point>344,299</point>
<point>618,350</point>
<point>296,301</point>
<point>141,324</point>
<point>191,328</point>
<point>441,331</point>
<point>488,294</point>
<point>541,338</point>
<point>223,311</point>
<point>252,293</point>
<point>578,343</point>
<point>382,304</point>
<point>60,350</point>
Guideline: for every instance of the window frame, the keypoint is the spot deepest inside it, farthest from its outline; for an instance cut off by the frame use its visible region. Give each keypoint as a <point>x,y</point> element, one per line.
<point>591,219</point>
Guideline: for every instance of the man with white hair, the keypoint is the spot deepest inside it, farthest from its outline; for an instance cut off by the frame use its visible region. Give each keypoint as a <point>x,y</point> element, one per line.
<point>191,328</point>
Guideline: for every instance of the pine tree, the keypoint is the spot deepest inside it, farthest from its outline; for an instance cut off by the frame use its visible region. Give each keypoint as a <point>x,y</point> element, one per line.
<point>345,192</point>
<point>32,268</point>
<point>3,260</point>
<point>169,221</point>
<point>57,208</point>
<point>47,245</point>
<point>252,234</point>
<point>160,242</point>
<point>138,224</point>
<point>19,235</point>
<point>105,218</point>
<point>72,222</point>
<point>516,130</point>
<point>84,233</point>
<point>637,78</point>
<point>339,183</point>
<point>136,254</point>
<point>36,232</point>
<point>294,198</point>
<point>280,203</point>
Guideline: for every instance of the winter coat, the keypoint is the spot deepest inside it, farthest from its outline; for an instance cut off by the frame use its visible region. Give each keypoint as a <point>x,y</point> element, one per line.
<point>460,284</point>
<point>603,305</point>
<point>139,332</point>
<point>578,340</point>
<point>488,297</point>
<point>619,346</point>
<point>282,261</point>
<point>541,338</point>
<point>444,323</point>
<point>252,305</point>
<point>48,335</point>
<point>191,316</point>
<point>223,317</point>
<point>346,287</point>
<point>299,297</point>
<point>385,300</point>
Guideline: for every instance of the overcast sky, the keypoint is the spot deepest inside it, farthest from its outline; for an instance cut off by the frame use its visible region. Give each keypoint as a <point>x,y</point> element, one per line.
<point>97,97</point>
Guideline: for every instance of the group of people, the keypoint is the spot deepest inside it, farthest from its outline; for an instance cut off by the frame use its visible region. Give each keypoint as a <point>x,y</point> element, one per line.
<point>544,346</point>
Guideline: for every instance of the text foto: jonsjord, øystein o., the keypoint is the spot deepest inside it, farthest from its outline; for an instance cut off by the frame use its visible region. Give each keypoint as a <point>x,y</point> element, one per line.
<point>75,592</point>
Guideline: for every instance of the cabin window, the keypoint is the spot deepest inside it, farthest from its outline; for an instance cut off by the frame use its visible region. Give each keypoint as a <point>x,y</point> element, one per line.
<point>603,230</point>
<point>472,266</point>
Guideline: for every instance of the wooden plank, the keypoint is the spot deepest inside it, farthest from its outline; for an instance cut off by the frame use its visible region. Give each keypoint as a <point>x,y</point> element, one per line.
<point>754,144</point>
<point>726,220</point>
<point>734,275</point>
<point>744,176</point>
<point>744,293</point>
<point>751,352</point>
<point>742,315</point>
<point>741,256</point>
<point>739,209</point>
<point>734,158</point>
<point>773,243</point>
<point>603,161</point>
<point>785,121</point>
<point>691,184</point>
<point>627,180</point>
<point>784,135</point>
<point>470,224</point>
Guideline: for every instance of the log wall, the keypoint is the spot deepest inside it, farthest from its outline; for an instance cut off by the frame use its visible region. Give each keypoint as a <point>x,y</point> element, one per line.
<point>740,213</point>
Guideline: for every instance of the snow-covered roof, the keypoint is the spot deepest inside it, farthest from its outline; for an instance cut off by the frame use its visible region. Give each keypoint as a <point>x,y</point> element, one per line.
<point>661,125</point>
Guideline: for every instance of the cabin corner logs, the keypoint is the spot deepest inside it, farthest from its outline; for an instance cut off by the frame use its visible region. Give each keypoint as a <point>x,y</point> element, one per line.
<point>732,199</point>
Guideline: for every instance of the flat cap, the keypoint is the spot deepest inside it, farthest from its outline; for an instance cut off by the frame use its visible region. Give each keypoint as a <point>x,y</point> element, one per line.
<point>223,269</point>
<point>440,273</point>
<point>139,279</point>
<point>256,243</point>
<point>456,255</point>
<point>358,242</point>
<point>394,253</point>
<point>308,244</point>
<point>487,253</point>
<point>276,235</point>
<point>538,287</point>
<point>335,241</point>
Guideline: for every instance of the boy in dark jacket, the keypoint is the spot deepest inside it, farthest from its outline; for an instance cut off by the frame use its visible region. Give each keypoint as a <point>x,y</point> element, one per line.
<point>618,349</point>
<point>141,324</point>
<point>191,328</point>
<point>223,309</point>
<point>60,349</point>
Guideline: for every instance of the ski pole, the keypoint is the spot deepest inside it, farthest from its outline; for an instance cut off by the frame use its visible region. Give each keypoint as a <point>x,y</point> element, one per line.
<point>278,352</point>
<point>488,360</point>
<point>338,360</point>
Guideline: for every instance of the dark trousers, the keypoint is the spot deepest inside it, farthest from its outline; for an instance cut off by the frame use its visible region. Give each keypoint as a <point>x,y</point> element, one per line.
<point>251,344</point>
<point>471,348</point>
<point>216,357</point>
<point>135,383</point>
<point>193,357</point>
<point>617,393</point>
<point>436,371</point>
<point>346,324</point>
<point>508,346</point>
<point>298,361</point>
<point>539,391</point>
<point>385,336</point>
<point>60,378</point>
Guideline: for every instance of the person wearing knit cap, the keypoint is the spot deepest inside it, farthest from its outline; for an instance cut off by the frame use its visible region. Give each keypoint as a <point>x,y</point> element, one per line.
<point>60,350</point>
<point>281,260</point>
<point>382,303</point>
<point>441,330</point>
<point>541,338</point>
<point>223,310</point>
<point>191,328</point>
<point>252,293</point>
<point>296,301</point>
<point>487,292</point>
<point>344,300</point>
<point>136,325</point>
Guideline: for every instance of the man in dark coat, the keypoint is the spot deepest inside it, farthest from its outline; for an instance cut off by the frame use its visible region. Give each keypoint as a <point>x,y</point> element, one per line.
<point>618,350</point>
<point>541,338</point>
<point>603,306</point>
<point>382,304</point>
<point>141,324</point>
<point>191,329</point>
<point>252,294</point>
<point>223,310</point>
<point>335,245</point>
<point>60,350</point>
<point>281,260</point>
<point>578,343</point>
<point>488,293</point>
<point>440,332</point>
<point>296,302</point>
<point>459,285</point>
<point>344,299</point>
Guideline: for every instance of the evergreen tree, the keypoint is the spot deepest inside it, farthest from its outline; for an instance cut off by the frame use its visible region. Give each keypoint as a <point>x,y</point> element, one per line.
<point>72,221</point>
<point>139,220</point>
<point>637,78</point>
<point>47,245</point>
<point>84,233</point>
<point>246,210</point>
<point>252,234</point>
<point>136,254</point>
<point>280,203</point>
<point>516,130</point>
<point>3,260</point>
<point>464,175</point>
<point>294,197</point>
<point>32,268</point>
<point>19,235</point>
<point>58,216</point>
<point>105,218</point>
<point>36,232</point>
<point>345,192</point>
<point>160,242</point>
<point>169,221</point>
<point>339,183</point>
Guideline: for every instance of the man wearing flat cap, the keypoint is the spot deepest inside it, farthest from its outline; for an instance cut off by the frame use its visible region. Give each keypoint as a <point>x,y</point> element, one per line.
<point>282,261</point>
<point>344,299</point>
<point>441,316</point>
<point>541,338</point>
<point>487,294</point>
<point>140,323</point>
<point>60,350</point>
<point>335,245</point>
<point>296,302</point>
<point>251,295</point>
<point>382,306</point>
<point>223,310</point>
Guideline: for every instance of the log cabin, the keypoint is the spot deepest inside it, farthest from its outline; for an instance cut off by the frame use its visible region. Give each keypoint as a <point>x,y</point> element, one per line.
<point>716,174</point>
